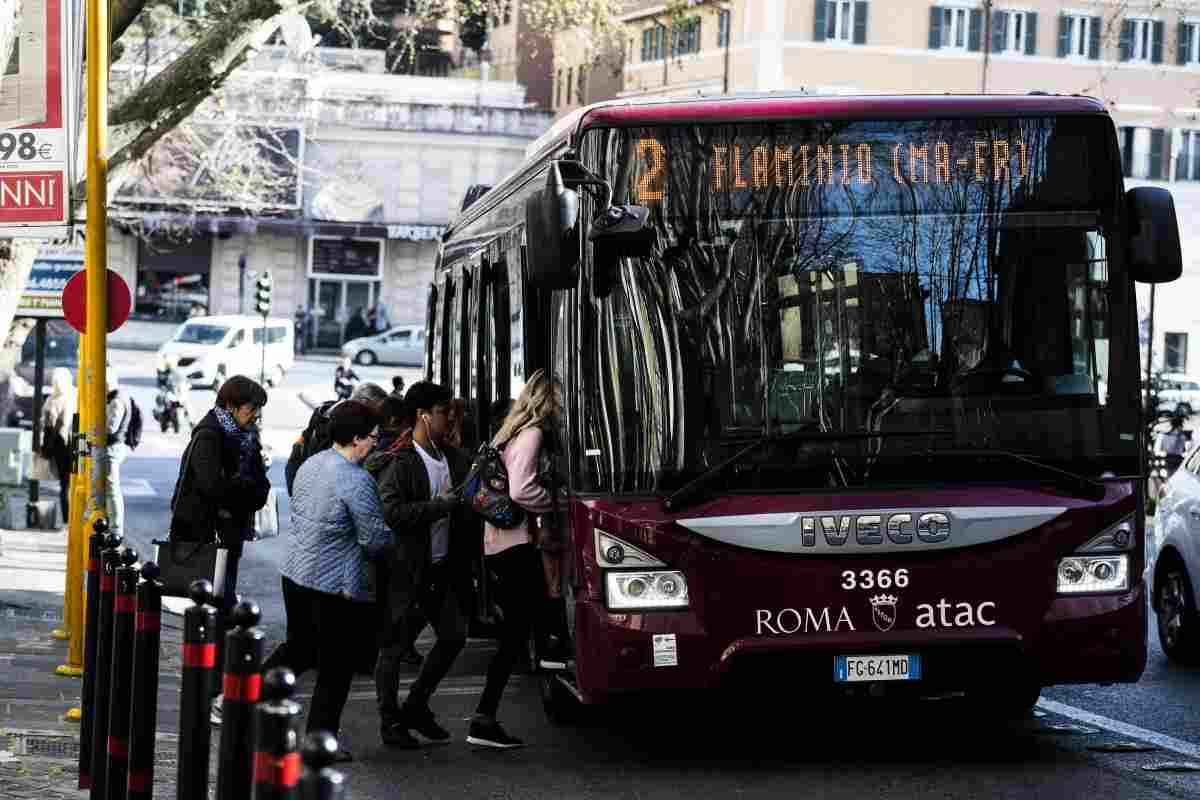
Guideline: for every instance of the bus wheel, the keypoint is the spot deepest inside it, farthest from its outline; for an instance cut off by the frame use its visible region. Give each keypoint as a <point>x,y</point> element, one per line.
<point>559,702</point>
<point>1175,612</point>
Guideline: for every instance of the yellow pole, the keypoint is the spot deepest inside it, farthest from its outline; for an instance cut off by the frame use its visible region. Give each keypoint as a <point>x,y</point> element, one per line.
<point>73,596</point>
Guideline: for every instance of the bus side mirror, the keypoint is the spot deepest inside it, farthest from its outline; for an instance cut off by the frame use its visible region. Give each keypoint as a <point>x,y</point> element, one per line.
<point>1154,252</point>
<point>618,232</point>
<point>552,234</point>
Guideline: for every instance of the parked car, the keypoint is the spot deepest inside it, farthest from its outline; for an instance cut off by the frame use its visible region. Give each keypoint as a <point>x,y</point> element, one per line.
<point>62,350</point>
<point>1173,562</point>
<point>403,345</point>
<point>1179,393</point>
<point>211,349</point>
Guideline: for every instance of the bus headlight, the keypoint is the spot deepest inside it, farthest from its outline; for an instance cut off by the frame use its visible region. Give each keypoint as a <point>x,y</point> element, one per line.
<point>628,591</point>
<point>1093,574</point>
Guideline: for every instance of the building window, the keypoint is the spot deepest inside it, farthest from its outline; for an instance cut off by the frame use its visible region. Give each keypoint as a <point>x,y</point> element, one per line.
<point>654,42</point>
<point>567,87</point>
<point>723,28</point>
<point>1078,36</point>
<point>1142,151</point>
<point>580,84</point>
<point>840,21</point>
<point>507,12</point>
<point>1187,162</point>
<point>558,88</point>
<point>1187,48</point>
<point>1175,354</point>
<point>1141,40</point>
<point>1014,32</point>
<point>685,37</point>
<point>953,28</point>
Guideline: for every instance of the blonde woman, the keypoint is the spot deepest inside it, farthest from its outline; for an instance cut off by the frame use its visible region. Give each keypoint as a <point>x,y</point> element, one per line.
<point>56,431</point>
<point>512,554</point>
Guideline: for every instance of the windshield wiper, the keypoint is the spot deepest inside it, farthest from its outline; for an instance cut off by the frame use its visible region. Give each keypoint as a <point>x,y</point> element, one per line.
<point>691,490</point>
<point>1072,483</point>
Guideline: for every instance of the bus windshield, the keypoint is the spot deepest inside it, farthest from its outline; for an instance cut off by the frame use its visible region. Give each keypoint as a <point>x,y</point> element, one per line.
<point>955,276</point>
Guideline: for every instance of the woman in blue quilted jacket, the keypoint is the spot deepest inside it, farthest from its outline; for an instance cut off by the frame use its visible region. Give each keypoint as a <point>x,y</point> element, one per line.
<point>337,526</point>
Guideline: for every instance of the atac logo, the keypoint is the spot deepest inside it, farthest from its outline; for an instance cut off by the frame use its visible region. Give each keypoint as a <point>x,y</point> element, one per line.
<point>883,611</point>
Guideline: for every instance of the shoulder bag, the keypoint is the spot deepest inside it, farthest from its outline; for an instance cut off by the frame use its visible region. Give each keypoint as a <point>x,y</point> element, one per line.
<point>485,490</point>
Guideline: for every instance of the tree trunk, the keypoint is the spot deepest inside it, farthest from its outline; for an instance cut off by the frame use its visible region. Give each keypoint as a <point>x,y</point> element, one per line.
<point>16,261</point>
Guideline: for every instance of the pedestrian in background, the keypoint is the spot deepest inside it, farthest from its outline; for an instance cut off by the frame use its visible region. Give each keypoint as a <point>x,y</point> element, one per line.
<point>344,378</point>
<point>398,386</point>
<point>56,432</point>
<point>337,526</point>
<point>1174,444</point>
<point>429,571</point>
<point>120,417</point>
<point>512,555</point>
<point>358,326</point>
<point>222,482</point>
<point>380,320</point>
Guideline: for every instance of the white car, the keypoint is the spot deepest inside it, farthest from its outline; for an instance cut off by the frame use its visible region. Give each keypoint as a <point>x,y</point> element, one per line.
<point>404,345</point>
<point>1173,562</point>
<point>211,349</point>
<point>1179,392</point>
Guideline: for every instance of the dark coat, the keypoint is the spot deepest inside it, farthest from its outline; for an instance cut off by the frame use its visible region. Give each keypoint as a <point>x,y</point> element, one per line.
<point>210,482</point>
<point>410,510</point>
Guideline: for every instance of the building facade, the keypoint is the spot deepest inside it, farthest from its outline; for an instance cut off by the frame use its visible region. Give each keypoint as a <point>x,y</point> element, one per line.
<point>351,175</point>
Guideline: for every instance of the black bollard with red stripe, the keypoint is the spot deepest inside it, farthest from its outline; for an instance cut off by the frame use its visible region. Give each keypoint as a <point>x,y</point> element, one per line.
<point>199,658</point>
<point>242,687</point>
<point>92,615</point>
<point>109,561</point>
<point>318,780</point>
<point>143,728</point>
<point>124,622</point>
<point>276,751</point>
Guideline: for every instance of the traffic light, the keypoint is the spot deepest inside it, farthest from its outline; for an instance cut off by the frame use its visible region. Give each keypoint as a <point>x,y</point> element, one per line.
<point>262,294</point>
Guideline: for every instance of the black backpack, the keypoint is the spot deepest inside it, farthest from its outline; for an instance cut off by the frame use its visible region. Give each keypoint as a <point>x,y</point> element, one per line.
<point>314,439</point>
<point>133,432</point>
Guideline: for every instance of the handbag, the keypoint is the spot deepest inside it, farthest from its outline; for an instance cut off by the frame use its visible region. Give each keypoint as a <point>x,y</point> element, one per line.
<point>266,519</point>
<point>182,563</point>
<point>485,490</point>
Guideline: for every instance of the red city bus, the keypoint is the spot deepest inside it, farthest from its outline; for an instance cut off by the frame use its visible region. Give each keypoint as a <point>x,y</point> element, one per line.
<point>851,387</point>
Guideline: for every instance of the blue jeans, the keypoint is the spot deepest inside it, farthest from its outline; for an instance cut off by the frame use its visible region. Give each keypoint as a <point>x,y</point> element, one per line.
<point>115,499</point>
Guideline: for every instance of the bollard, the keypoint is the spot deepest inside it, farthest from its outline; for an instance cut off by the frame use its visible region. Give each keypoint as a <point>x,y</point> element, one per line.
<point>242,687</point>
<point>88,691</point>
<point>124,620</point>
<point>317,780</point>
<point>144,712</point>
<point>109,558</point>
<point>276,752</point>
<point>199,657</point>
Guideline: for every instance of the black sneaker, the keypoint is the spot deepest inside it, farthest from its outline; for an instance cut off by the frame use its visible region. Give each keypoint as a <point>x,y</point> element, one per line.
<point>490,734</point>
<point>425,723</point>
<point>395,734</point>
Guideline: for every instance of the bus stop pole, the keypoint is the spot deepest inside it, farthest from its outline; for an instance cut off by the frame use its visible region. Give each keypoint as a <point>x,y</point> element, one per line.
<point>39,377</point>
<point>95,386</point>
<point>74,600</point>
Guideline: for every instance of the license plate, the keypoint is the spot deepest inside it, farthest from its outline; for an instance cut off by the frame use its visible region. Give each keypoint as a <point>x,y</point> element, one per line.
<point>850,669</point>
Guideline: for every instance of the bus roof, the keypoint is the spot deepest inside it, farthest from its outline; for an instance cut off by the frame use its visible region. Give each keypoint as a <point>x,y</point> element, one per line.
<point>778,106</point>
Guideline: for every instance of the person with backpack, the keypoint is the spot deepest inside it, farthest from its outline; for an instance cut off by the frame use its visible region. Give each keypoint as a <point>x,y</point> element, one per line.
<point>429,570</point>
<point>222,482</point>
<point>315,436</point>
<point>124,435</point>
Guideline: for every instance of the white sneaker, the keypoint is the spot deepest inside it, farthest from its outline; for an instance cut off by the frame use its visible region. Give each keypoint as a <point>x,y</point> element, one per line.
<point>215,713</point>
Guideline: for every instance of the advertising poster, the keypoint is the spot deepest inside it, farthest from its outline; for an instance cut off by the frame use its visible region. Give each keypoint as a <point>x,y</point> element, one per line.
<point>34,150</point>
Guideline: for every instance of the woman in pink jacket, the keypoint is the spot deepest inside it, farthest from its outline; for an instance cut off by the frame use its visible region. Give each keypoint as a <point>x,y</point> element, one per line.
<point>511,553</point>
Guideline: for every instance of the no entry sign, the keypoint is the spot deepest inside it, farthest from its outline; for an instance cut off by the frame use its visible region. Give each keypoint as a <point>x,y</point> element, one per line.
<point>74,302</point>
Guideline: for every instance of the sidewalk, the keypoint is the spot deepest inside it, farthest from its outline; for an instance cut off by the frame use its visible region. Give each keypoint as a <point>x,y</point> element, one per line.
<point>39,747</point>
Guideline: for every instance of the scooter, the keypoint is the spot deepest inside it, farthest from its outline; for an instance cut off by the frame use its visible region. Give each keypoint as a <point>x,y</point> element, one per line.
<point>168,410</point>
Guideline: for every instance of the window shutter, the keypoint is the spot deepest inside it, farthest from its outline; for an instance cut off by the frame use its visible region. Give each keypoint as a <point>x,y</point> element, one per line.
<point>819,21</point>
<point>1094,28</point>
<point>1183,43</point>
<point>999,31</point>
<point>1157,140</point>
<point>860,22</point>
<point>1030,33</point>
<point>1126,39</point>
<point>975,34</point>
<point>1183,165</point>
<point>1127,151</point>
<point>1156,53</point>
<point>935,28</point>
<point>1064,35</point>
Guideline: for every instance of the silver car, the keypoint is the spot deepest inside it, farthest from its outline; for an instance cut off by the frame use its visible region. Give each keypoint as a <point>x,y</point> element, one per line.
<point>403,345</point>
<point>1173,562</point>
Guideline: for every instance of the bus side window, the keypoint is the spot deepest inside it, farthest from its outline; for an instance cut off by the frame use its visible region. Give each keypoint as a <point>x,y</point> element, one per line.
<point>516,299</point>
<point>441,344</point>
<point>431,323</point>
<point>477,396</point>
<point>460,345</point>
<point>500,332</point>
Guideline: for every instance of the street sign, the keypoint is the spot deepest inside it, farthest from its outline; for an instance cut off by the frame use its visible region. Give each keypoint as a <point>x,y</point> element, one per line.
<point>43,292</point>
<point>34,151</point>
<point>74,301</point>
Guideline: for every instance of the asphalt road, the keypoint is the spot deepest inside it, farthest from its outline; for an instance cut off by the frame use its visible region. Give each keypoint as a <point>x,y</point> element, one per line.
<point>794,744</point>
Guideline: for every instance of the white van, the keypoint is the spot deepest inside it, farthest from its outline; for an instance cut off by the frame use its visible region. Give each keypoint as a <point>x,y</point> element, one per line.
<point>211,349</point>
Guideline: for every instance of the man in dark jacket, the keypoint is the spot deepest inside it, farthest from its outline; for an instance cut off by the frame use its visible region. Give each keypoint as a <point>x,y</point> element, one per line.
<point>430,567</point>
